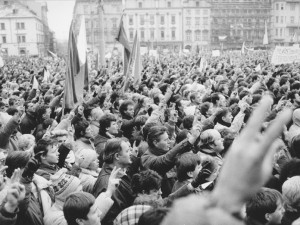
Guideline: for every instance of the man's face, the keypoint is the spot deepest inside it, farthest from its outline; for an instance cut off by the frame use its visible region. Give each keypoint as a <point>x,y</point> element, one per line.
<point>47,114</point>
<point>93,217</point>
<point>4,94</point>
<point>129,111</point>
<point>61,139</point>
<point>124,155</point>
<point>113,129</point>
<point>276,216</point>
<point>197,99</point>
<point>163,143</point>
<point>52,154</point>
<point>31,107</point>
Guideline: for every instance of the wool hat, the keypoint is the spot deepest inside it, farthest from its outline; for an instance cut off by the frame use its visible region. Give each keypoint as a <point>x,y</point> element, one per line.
<point>86,156</point>
<point>64,184</point>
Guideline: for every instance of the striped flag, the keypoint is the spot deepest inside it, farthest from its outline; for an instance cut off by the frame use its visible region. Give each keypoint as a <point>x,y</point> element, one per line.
<point>122,38</point>
<point>81,79</point>
<point>47,76</point>
<point>266,41</point>
<point>73,68</point>
<point>34,82</point>
<point>137,63</point>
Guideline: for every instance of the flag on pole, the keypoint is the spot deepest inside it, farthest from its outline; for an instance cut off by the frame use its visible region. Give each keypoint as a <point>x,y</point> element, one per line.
<point>81,79</point>
<point>47,76</point>
<point>122,38</point>
<point>52,54</point>
<point>34,82</point>
<point>137,63</point>
<point>266,41</point>
<point>73,68</point>
<point>258,68</point>
<point>1,62</point>
<point>243,48</point>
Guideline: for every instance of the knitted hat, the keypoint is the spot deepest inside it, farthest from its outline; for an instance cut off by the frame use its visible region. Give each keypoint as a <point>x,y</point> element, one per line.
<point>87,156</point>
<point>296,117</point>
<point>64,184</point>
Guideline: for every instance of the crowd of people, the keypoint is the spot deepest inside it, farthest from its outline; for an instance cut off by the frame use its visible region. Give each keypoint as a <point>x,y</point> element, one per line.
<point>192,144</point>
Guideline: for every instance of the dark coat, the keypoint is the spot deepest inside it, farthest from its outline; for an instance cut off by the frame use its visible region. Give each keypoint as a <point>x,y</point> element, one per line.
<point>128,124</point>
<point>28,123</point>
<point>100,142</point>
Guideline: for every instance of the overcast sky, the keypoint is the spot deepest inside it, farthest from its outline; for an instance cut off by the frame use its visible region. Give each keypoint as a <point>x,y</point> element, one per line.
<point>60,14</point>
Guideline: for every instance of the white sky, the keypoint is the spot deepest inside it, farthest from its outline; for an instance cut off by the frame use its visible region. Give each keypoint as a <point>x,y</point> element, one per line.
<point>60,14</point>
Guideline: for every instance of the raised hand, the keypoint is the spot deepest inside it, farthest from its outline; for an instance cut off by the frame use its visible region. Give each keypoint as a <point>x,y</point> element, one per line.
<point>15,194</point>
<point>114,180</point>
<point>248,163</point>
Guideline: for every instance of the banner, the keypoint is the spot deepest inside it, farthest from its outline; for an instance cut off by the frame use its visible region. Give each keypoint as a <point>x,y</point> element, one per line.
<point>284,55</point>
<point>215,53</point>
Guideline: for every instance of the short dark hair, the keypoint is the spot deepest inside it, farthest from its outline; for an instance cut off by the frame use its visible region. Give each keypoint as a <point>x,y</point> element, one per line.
<point>14,160</point>
<point>153,216</point>
<point>105,122</point>
<point>124,106</point>
<point>154,134</point>
<point>187,162</point>
<point>214,98</point>
<point>112,147</point>
<point>12,111</point>
<point>80,127</point>
<point>41,146</point>
<point>264,201</point>
<point>187,122</point>
<point>193,96</point>
<point>146,129</point>
<point>146,181</point>
<point>77,206</point>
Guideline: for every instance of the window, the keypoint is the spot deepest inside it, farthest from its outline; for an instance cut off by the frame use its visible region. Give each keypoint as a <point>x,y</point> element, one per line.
<point>152,19</point>
<point>280,32</point>
<point>131,34</point>
<point>281,19</point>
<point>173,19</point>
<point>281,7</point>
<point>3,39</point>
<point>169,4</point>
<point>197,21</point>
<point>188,21</point>
<point>114,20</point>
<point>277,19</point>
<point>162,34</point>
<point>205,21</point>
<point>292,19</point>
<point>142,34</point>
<point>15,11</point>
<point>21,38</point>
<point>205,12</point>
<point>130,20</point>
<point>173,34</point>
<point>22,51</point>
<point>205,35</point>
<point>197,35</point>
<point>152,34</point>
<point>276,31</point>
<point>140,5</point>
<point>162,20</point>
<point>197,4</point>
<point>291,31</point>
<point>2,25</point>
<point>188,35</point>
<point>293,6</point>
<point>142,20</point>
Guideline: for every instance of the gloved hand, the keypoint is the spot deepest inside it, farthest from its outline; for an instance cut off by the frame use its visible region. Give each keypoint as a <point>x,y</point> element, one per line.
<point>203,174</point>
<point>31,167</point>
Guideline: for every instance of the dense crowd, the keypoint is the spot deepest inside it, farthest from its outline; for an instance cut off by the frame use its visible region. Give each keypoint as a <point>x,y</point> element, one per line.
<point>191,144</point>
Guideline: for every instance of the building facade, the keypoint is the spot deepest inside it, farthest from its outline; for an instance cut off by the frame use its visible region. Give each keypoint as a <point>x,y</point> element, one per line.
<point>22,30</point>
<point>286,22</point>
<point>196,24</point>
<point>236,21</point>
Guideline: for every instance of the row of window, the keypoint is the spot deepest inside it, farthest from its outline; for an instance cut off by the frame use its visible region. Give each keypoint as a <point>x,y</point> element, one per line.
<point>189,36</point>
<point>151,19</point>
<point>19,26</point>
<point>283,19</point>
<point>20,39</point>
<point>244,11</point>
<point>197,21</point>
<point>281,6</point>
<point>152,34</point>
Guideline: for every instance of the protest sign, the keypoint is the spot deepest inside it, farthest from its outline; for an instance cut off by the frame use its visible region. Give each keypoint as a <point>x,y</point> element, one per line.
<point>285,54</point>
<point>215,53</point>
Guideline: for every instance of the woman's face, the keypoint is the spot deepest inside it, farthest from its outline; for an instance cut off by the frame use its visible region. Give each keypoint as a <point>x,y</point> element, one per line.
<point>94,164</point>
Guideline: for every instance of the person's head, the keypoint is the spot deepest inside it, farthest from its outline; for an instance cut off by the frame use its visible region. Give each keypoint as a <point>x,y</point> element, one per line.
<point>108,123</point>
<point>195,98</point>
<point>153,216</point>
<point>158,138</point>
<point>96,114</point>
<point>187,122</point>
<point>31,107</point>
<point>4,93</point>
<point>224,115</point>
<point>204,107</point>
<point>266,207</point>
<point>48,150</point>
<point>12,111</point>
<point>82,130</point>
<point>127,108</point>
<point>147,182</point>
<point>15,160</point>
<point>211,139</point>
<point>43,112</point>
<point>291,194</point>
<point>88,159</point>
<point>117,151</point>
<point>64,184</point>
<point>188,166</point>
<point>80,209</point>
<point>26,142</point>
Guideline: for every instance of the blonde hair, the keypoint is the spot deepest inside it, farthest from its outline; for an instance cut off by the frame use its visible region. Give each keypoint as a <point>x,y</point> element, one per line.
<point>291,193</point>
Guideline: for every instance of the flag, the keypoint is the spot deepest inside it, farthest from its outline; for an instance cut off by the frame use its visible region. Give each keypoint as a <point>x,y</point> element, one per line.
<point>122,38</point>
<point>73,68</point>
<point>137,64</point>
<point>266,41</point>
<point>34,82</point>
<point>47,76</point>
<point>52,54</point>
<point>258,68</point>
<point>243,48</point>
<point>1,62</point>
<point>197,50</point>
<point>81,79</point>
<point>294,37</point>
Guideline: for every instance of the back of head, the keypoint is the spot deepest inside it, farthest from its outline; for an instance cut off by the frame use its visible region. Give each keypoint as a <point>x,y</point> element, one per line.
<point>264,201</point>
<point>153,216</point>
<point>291,194</point>
<point>112,147</point>
<point>14,160</point>
<point>77,206</point>
<point>105,122</point>
<point>186,162</point>
<point>146,181</point>
<point>154,134</point>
